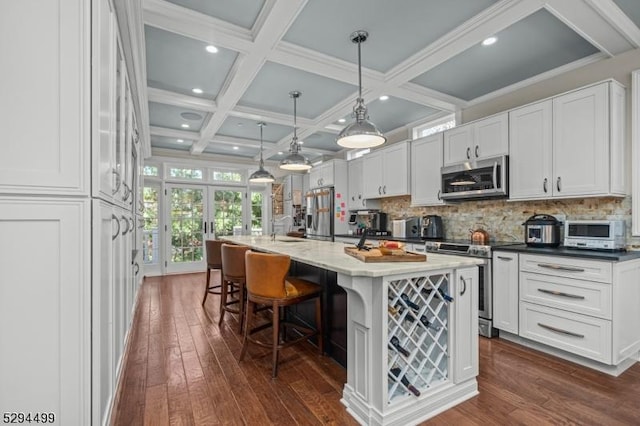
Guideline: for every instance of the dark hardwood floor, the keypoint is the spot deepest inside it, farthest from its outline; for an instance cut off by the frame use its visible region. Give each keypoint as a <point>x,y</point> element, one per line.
<point>182,369</point>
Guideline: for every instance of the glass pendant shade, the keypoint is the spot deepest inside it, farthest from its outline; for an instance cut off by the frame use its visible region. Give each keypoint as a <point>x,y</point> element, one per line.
<point>362,133</point>
<point>295,161</point>
<point>261,175</point>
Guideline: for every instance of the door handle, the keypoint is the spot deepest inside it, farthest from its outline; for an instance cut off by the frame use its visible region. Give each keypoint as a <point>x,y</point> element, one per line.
<point>384,189</point>
<point>205,227</point>
<point>476,151</point>
<point>559,330</point>
<point>558,183</point>
<point>544,185</point>
<point>560,268</point>
<point>509,259</point>
<point>439,195</point>
<point>560,293</point>
<point>114,217</point>
<point>464,286</point>
<point>212,229</point>
<point>495,175</point>
<point>468,153</point>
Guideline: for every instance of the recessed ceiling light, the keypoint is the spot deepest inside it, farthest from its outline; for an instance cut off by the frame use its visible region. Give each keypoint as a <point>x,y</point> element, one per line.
<point>384,97</point>
<point>342,120</point>
<point>236,148</point>
<point>211,49</point>
<point>197,90</point>
<point>279,152</point>
<point>180,140</point>
<point>184,125</point>
<point>489,41</point>
<point>190,116</point>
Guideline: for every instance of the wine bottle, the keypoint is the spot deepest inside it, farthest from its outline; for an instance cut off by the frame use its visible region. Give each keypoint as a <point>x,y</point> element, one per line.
<point>424,321</point>
<point>444,295</point>
<point>408,302</point>
<point>396,344</point>
<point>395,374</point>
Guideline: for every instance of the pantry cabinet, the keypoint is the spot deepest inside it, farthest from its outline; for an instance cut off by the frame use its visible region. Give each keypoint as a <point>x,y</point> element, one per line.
<point>71,200</point>
<point>386,172</point>
<point>569,146</point>
<point>478,140</point>
<point>426,162</point>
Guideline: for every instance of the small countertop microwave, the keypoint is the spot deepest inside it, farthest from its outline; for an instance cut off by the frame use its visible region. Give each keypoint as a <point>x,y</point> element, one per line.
<point>595,234</point>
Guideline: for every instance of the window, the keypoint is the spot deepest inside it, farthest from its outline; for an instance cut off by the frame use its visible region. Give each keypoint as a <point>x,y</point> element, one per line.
<point>256,213</point>
<point>185,173</point>
<point>150,239</point>
<point>228,176</point>
<point>150,171</point>
<point>357,153</point>
<point>435,126</point>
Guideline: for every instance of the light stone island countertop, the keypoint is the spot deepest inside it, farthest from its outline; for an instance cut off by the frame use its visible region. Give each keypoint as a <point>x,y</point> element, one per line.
<point>331,256</point>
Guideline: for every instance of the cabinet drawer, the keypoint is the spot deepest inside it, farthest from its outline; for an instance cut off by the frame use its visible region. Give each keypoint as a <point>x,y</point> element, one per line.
<point>570,267</point>
<point>580,296</point>
<point>579,334</point>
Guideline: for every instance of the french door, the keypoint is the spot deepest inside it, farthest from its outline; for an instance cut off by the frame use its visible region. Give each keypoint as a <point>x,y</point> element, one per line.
<point>196,213</point>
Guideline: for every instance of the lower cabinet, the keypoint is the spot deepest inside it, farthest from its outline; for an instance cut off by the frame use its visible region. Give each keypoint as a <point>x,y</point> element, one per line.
<point>505,291</point>
<point>45,311</point>
<point>581,306</point>
<point>465,297</point>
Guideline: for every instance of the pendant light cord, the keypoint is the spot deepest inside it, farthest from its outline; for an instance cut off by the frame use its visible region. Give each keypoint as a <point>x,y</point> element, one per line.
<point>359,71</point>
<point>261,147</point>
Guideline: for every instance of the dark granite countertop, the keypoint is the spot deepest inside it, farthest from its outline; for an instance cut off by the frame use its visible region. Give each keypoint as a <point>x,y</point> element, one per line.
<point>613,256</point>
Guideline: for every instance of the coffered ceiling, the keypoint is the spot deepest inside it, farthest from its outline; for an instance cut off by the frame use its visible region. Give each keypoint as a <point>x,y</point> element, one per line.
<point>426,56</point>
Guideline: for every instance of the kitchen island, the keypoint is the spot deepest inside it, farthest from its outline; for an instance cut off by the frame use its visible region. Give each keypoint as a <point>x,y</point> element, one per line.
<point>412,329</point>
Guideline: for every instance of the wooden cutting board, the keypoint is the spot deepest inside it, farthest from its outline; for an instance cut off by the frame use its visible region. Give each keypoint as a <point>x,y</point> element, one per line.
<point>374,255</point>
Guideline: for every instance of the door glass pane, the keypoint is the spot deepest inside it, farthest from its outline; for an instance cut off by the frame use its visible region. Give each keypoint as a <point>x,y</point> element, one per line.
<point>150,241</point>
<point>186,219</point>
<point>228,212</point>
<point>256,213</point>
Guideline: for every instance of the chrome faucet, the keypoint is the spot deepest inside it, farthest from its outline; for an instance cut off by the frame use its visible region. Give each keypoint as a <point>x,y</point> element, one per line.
<point>273,222</point>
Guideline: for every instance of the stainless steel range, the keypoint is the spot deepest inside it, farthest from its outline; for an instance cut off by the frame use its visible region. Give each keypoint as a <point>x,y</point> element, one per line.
<point>485,271</point>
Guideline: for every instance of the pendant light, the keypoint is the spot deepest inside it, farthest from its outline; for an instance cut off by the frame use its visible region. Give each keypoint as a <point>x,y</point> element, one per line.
<point>362,133</point>
<point>295,160</point>
<point>261,175</point>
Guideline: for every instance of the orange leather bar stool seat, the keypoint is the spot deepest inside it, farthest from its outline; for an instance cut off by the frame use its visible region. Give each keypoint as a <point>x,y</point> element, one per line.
<point>233,279</point>
<point>268,284</point>
<point>214,261</point>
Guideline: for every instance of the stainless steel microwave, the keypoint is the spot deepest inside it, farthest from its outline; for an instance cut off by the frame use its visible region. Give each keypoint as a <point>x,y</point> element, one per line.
<point>595,234</point>
<point>481,179</point>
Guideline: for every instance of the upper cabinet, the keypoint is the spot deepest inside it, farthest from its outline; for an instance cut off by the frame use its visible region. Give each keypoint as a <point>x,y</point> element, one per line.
<point>426,161</point>
<point>322,175</point>
<point>292,189</point>
<point>480,139</point>
<point>386,172</point>
<point>569,146</point>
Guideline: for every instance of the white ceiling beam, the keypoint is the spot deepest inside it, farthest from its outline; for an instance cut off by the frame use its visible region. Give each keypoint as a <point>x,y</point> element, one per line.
<point>585,18</point>
<point>279,19</point>
<point>617,19</point>
<point>269,116</point>
<point>170,17</point>
<point>180,100</point>
<point>173,133</point>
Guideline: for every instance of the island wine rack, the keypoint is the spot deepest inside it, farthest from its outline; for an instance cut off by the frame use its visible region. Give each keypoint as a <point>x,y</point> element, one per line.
<point>417,335</point>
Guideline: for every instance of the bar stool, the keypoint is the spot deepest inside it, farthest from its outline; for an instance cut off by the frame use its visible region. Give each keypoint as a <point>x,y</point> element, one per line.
<point>233,276</point>
<point>268,284</point>
<point>214,261</point>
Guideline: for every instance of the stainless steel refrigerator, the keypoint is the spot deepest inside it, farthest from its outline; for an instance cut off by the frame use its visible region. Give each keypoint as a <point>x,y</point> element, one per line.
<point>320,216</point>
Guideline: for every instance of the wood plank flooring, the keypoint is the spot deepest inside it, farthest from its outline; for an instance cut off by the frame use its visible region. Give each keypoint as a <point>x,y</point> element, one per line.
<point>182,369</point>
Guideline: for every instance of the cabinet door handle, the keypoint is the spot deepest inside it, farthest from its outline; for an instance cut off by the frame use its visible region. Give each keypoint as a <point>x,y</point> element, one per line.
<point>384,189</point>
<point>544,185</point>
<point>205,227</point>
<point>468,153</point>
<point>127,223</point>
<point>364,203</point>
<point>118,181</point>
<point>359,196</point>
<point>114,217</point>
<point>379,190</point>
<point>353,198</point>
<point>464,286</point>
<point>439,193</point>
<point>508,259</point>
<point>212,229</point>
<point>137,268</point>
<point>127,191</point>
<point>561,331</point>
<point>558,183</point>
<point>559,293</point>
<point>560,268</point>
<point>476,151</point>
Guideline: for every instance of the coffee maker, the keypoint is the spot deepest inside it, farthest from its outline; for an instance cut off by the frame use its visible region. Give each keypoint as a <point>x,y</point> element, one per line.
<point>377,222</point>
<point>432,227</point>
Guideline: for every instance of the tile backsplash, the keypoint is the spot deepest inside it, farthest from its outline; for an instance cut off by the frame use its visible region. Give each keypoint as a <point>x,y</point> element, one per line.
<point>503,219</point>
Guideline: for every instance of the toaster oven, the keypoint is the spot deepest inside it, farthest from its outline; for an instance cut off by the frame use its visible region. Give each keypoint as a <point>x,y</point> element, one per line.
<point>595,234</point>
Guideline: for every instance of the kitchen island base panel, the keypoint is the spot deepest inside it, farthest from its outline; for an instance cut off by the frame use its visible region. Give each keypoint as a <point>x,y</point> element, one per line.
<point>411,411</point>
<point>612,370</point>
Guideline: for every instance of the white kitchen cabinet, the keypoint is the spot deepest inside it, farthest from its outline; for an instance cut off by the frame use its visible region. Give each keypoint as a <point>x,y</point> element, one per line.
<point>61,208</point>
<point>292,189</point>
<point>465,307</point>
<point>505,291</point>
<point>386,171</point>
<point>356,199</point>
<point>322,175</point>
<point>584,307</point>
<point>426,162</point>
<point>569,146</point>
<point>480,139</point>
<point>45,307</point>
